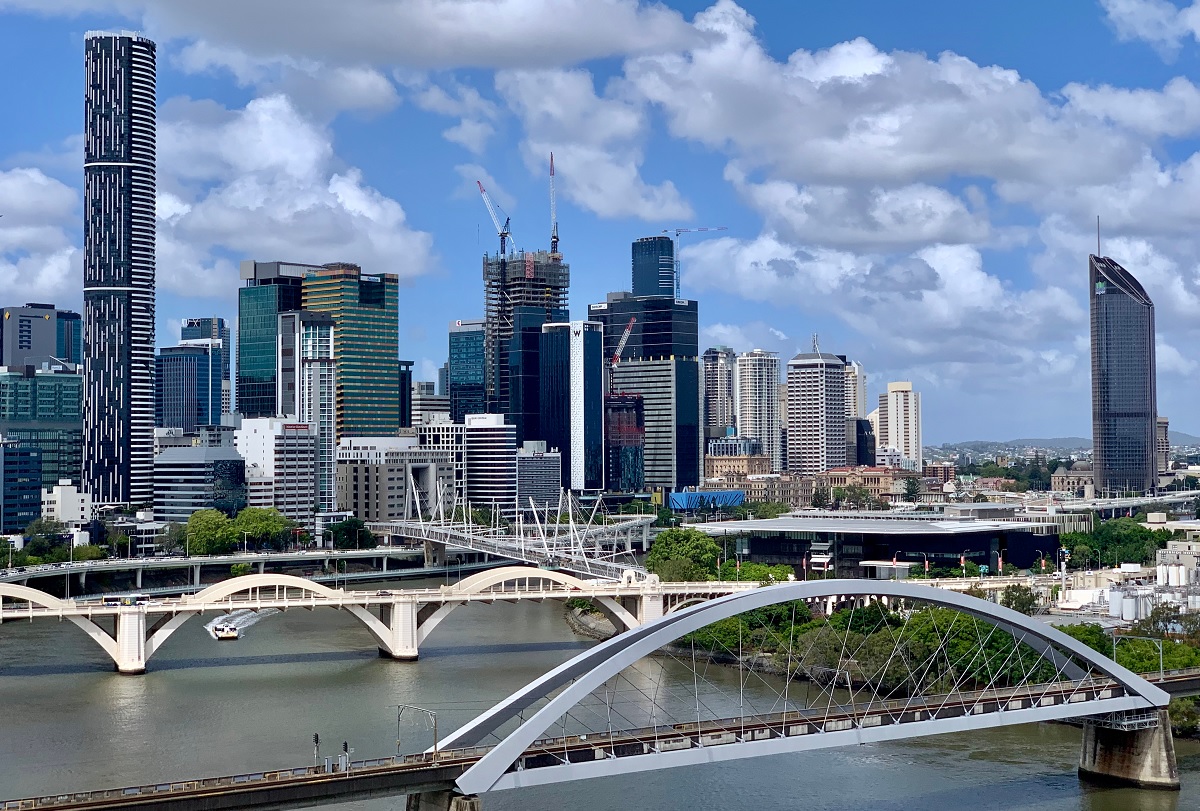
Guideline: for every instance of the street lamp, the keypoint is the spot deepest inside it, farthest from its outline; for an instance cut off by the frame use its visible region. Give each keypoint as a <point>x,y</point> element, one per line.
<point>245,541</point>
<point>357,533</point>
<point>187,544</point>
<point>926,554</point>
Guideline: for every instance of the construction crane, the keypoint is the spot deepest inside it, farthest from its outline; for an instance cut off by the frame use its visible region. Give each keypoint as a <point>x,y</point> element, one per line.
<point>553,214</point>
<point>616,358</point>
<point>677,232</point>
<point>502,231</point>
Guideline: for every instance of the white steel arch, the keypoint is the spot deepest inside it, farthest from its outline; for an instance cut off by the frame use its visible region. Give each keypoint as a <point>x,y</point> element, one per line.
<point>49,601</point>
<point>235,585</point>
<point>578,677</point>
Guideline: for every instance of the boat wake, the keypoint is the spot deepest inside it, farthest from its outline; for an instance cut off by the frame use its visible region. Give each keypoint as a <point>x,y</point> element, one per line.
<point>240,619</point>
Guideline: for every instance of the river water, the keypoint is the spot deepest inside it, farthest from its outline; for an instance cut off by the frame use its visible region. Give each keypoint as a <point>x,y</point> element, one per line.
<point>208,708</point>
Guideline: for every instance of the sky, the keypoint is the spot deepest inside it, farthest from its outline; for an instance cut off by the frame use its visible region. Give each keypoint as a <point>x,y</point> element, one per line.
<point>917,183</point>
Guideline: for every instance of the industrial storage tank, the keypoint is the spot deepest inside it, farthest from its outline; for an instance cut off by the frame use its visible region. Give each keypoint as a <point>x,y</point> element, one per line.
<point>1129,608</point>
<point>1162,574</point>
<point>1172,575</point>
<point>1114,603</point>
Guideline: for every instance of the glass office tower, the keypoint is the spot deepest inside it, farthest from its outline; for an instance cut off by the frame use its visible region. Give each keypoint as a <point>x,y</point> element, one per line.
<point>1124,399</point>
<point>654,267</point>
<point>466,378</point>
<point>270,288</point>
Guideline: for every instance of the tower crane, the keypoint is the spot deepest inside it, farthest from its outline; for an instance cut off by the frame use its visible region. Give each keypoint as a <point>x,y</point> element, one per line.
<point>616,358</point>
<point>677,232</point>
<point>553,213</point>
<point>502,231</point>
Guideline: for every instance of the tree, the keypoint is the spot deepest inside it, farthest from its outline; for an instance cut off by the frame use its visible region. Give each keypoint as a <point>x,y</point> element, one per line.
<point>820,497</point>
<point>351,534</point>
<point>756,572</point>
<point>1019,598</point>
<point>680,570</point>
<point>239,569</point>
<point>980,498</point>
<point>684,544</point>
<point>912,490</point>
<point>210,532</point>
<point>174,539</point>
<point>266,527</point>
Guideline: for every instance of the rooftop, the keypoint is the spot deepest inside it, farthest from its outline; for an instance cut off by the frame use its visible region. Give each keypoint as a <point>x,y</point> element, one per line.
<point>877,526</point>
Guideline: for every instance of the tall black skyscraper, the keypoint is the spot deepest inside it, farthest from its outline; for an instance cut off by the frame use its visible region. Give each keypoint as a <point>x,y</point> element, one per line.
<point>654,267</point>
<point>1124,400</point>
<point>118,268</point>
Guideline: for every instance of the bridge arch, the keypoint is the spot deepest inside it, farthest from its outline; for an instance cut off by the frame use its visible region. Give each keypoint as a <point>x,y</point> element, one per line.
<point>483,581</point>
<point>49,601</point>
<point>236,585</point>
<point>575,679</point>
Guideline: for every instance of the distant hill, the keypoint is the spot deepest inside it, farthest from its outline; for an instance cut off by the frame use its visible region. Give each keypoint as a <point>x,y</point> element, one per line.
<point>1066,443</point>
<point>1180,438</point>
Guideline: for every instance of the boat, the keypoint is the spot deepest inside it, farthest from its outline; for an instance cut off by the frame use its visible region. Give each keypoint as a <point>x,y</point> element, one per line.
<point>226,631</point>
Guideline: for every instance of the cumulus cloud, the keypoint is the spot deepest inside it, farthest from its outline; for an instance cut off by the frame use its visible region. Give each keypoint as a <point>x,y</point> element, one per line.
<point>477,114</point>
<point>1158,22</point>
<point>39,256</point>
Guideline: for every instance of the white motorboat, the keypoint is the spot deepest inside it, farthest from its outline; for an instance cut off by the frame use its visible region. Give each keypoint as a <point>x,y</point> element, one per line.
<point>226,631</point>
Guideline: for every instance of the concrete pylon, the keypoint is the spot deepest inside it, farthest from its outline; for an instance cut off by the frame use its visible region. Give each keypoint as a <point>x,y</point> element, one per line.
<point>401,618</point>
<point>131,640</point>
<point>443,801</point>
<point>1138,757</point>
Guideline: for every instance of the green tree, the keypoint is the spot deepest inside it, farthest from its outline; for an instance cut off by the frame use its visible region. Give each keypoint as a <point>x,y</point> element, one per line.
<point>912,490</point>
<point>770,509</point>
<point>820,497</point>
<point>684,544</point>
<point>351,534</point>
<point>1019,598</point>
<point>680,570</point>
<point>209,532</point>
<point>265,526</point>
<point>239,569</point>
<point>756,572</point>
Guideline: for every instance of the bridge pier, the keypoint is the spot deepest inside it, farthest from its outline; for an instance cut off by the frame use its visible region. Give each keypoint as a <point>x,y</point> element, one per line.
<point>443,801</point>
<point>138,577</point>
<point>401,619</point>
<point>131,640</point>
<point>196,576</point>
<point>1140,757</point>
<point>435,554</point>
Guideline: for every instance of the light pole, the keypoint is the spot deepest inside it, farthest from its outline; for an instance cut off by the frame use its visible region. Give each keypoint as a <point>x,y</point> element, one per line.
<point>187,544</point>
<point>245,541</point>
<point>430,715</point>
<point>926,554</point>
<point>963,558</point>
<point>357,533</point>
<point>1041,559</point>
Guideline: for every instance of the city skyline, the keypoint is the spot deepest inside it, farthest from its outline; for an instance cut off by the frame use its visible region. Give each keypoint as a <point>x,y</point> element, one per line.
<point>980,295</point>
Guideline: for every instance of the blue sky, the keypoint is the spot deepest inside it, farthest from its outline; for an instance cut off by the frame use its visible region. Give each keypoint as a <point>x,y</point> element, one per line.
<point>917,183</point>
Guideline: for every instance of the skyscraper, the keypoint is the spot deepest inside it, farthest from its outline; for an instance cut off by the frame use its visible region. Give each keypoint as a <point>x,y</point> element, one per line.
<point>466,379</point>
<point>118,267</point>
<point>572,400</point>
<point>214,332</point>
<point>856,391</point>
<point>625,443</point>
<point>307,391</point>
<point>43,408</point>
<point>1124,397</point>
<point>522,291</point>
<point>719,406</point>
<point>366,317</point>
<point>38,333</point>
<point>187,386</point>
<point>269,288</point>
<point>816,413</point>
<point>654,267</point>
<point>490,449</point>
<point>899,423</point>
<point>758,402</point>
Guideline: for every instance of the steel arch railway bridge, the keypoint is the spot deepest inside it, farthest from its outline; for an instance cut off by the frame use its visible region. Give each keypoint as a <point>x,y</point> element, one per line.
<point>905,661</point>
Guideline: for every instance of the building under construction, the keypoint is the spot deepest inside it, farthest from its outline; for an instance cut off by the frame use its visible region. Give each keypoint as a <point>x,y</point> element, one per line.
<point>625,443</point>
<point>523,290</point>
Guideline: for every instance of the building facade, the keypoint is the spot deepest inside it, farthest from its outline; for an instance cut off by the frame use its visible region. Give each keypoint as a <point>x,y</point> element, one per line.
<point>366,317</point>
<point>118,267</point>
<point>20,485</point>
<point>860,443</point>
<point>1124,393</point>
<point>307,391</point>
<point>572,400</point>
<point>899,423</point>
<point>67,504</point>
<point>466,375</point>
<point>39,333</point>
<point>44,408</point>
<point>816,413</point>
<point>856,391</point>
<point>268,289</point>
<point>539,478</point>
<point>1162,445</point>
<point>624,443</point>
<point>491,458</point>
<point>200,477</point>
<point>450,437</point>
<point>188,389</point>
<point>720,406</point>
<point>214,333</point>
<point>281,466</point>
<point>758,402</point>
<point>382,479</point>
<point>654,267</point>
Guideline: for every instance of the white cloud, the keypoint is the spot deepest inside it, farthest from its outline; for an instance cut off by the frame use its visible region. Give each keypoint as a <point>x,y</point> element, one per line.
<point>473,173</point>
<point>1170,360</point>
<point>596,141</point>
<point>39,257</point>
<point>1158,22</point>
<point>477,114</point>
<point>1174,111</point>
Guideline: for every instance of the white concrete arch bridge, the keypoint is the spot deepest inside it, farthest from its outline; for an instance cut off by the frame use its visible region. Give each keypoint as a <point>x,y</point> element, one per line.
<point>399,620</point>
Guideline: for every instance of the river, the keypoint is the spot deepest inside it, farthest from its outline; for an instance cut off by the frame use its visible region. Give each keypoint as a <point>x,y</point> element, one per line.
<point>208,708</point>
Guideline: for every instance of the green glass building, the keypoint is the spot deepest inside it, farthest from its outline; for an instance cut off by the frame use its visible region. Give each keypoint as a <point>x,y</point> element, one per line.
<point>366,341</point>
<point>269,288</point>
<point>44,408</point>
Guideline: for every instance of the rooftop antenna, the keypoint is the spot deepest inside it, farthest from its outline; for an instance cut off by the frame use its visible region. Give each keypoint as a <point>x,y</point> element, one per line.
<point>816,341</point>
<point>1098,235</point>
<point>553,211</point>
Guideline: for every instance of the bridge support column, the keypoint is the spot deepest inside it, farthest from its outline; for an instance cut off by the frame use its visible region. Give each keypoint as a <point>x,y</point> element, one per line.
<point>131,640</point>
<point>650,607</point>
<point>443,801</point>
<point>196,576</point>
<point>435,554</point>
<point>401,619</point>
<point>139,577</point>
<point>1139,757</point>
<point>262,566</point>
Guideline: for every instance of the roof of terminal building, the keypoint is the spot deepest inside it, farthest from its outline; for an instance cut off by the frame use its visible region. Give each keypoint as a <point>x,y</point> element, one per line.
<point>901,526</point>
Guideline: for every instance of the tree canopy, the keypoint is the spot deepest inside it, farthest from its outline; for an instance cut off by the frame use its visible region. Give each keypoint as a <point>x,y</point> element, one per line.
<point>683,544</point>
<point>352,534</point>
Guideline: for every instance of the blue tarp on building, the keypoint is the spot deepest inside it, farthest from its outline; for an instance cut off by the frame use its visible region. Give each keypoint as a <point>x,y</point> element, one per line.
<point>690,502</point>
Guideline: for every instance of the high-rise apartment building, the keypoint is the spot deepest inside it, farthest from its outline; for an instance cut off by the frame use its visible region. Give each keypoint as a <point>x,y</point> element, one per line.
<point>43,408</point>
<point>1163,444</point>
<point>269,289</point>
<point>1124,395</point>
<point>490,448</point>
<point>758,402</point>
<point>307,391</point>
<point>450,437</point>
<point>366,317</point>
<point>572,400</point>
<point>856,391</point>
<point>118,267</point>
<point>624,443</point>
<point>899,424</point>
<point>720,407</point>
<point>522,291</point>
<point>382,479</point>
<point>539,477</point>
<point>654,267</point>
<point>816,413</point>
<point>187,385</point>
<point>660,362</point>
<point>39,333</point>
<point>213,332</point>
<point>20,485</point>
<point>281,466</point>
<point>466,377</point>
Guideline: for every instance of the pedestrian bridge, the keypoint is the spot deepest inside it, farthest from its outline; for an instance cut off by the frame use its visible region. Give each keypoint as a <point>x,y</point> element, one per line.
<point>899,661</point>
<point>399,620</point>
